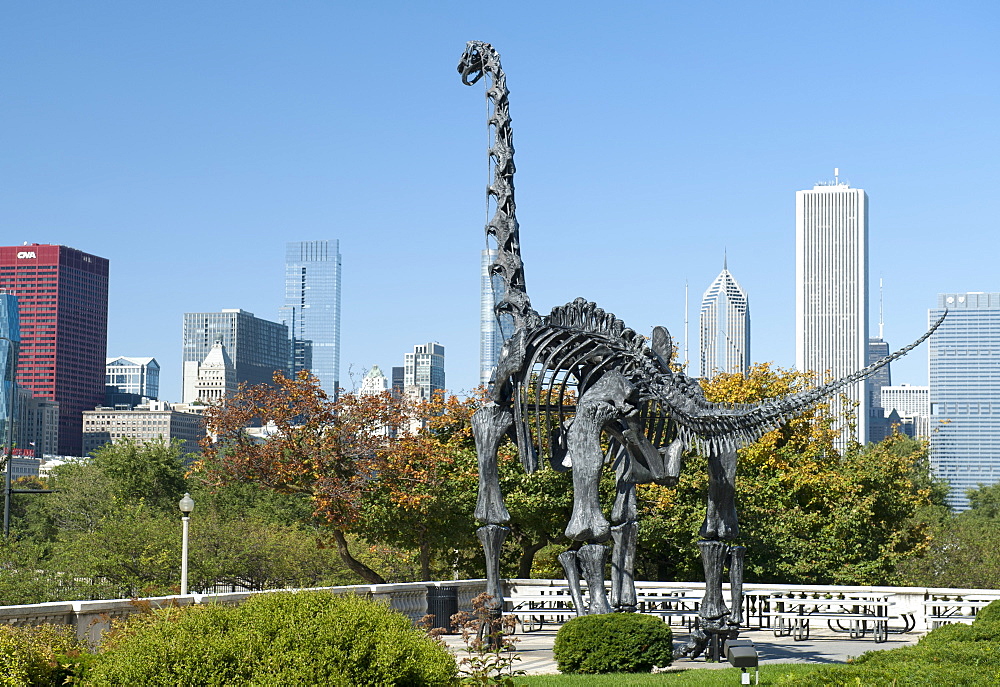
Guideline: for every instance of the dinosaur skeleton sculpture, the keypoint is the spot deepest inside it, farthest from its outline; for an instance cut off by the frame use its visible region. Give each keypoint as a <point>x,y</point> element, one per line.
<point>578,374</point>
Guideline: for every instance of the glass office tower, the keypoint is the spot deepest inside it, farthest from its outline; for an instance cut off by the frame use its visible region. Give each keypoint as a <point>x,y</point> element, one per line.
<point>964,357</point>
<point>312,309</point>
<point>10,342</point>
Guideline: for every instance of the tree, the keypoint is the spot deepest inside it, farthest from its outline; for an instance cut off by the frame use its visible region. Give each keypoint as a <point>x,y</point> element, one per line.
<point>807,513</point>
<point>324,451</point>
<point>984,501</point>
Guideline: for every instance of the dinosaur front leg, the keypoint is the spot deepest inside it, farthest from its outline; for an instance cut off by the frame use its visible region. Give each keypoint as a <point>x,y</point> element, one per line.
<point>489,424</point>
<point>596,407</point>
<point>713,612</point>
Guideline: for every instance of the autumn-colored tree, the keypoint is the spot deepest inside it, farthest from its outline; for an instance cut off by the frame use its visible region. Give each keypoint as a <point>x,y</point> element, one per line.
<point>420,499</point>
<point>807,513</point>
<point>327,451</point>
<point>426,492</point>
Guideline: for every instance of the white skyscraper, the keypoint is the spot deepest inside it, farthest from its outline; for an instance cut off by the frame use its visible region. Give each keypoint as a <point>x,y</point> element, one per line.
<point>831,290</point>
<point>725,326</point>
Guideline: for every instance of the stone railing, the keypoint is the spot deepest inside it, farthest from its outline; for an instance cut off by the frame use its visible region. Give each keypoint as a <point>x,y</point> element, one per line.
<point>916,602</point>
<point>91,618</point>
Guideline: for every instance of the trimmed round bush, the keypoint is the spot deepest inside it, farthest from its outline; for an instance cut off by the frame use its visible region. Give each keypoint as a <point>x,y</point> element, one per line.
<point>281,638</point>
<point>613,643</point>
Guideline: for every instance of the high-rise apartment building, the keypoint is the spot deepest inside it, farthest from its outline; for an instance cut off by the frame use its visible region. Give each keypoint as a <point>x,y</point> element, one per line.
<point>63,297</point>
<point>312,309</point>
<point>493,330</point>
<point>130,381</point>
<point>725,326</point>
<point>831,293</point>
<point>424,371</point>
<point>964,357</point>
<point>258,348</point>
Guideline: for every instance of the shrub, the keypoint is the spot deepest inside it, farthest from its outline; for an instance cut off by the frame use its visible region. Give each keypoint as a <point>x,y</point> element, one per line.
<point>990,613</point>
<point>297,638</point>
<point>42,655</point>
<point>950,655</point>
<point>979,631</point>
<point>613,643</point>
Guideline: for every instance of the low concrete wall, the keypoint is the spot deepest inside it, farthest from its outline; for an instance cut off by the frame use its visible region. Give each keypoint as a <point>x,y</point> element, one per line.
<point>92,618</point>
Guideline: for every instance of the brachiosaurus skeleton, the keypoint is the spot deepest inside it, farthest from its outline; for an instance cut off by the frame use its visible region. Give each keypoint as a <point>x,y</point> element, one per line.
<point>624,388</point>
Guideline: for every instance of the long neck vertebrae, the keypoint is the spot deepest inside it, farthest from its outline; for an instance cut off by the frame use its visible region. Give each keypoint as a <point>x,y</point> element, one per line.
<point>480,58</point>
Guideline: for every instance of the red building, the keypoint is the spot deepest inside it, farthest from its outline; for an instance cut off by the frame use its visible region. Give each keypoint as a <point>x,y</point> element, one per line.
<point>63,298</point>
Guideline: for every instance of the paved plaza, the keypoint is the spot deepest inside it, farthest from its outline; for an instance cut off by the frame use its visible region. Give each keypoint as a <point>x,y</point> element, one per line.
<point>535,648</point>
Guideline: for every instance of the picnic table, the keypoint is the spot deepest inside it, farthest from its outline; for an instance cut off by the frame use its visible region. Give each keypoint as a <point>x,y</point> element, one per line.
<point>945,609</point>
<point>857,614</point>
<point>553,605</point>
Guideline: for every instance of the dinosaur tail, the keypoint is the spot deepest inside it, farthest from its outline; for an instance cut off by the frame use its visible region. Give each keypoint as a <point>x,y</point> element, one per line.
<point>771,413</point>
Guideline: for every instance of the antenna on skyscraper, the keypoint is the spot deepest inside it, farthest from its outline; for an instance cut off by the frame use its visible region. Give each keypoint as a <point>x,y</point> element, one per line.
<point>836,175</point>
<point>685,326</point>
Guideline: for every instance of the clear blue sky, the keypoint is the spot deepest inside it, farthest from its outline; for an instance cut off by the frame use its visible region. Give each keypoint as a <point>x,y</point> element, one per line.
<point>188,141</point>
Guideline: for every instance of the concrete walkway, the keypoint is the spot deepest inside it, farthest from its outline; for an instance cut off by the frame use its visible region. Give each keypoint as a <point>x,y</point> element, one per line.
<point>824,646</point>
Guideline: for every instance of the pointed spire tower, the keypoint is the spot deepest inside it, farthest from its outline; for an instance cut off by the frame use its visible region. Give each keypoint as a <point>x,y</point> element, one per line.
<point>725,325</point>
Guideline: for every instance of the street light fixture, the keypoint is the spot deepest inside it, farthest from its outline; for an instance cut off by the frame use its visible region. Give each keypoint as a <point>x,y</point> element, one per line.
<point>186,505</point>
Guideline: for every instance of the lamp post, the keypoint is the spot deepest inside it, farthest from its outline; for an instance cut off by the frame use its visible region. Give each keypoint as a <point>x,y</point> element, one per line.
<point>186,506</point>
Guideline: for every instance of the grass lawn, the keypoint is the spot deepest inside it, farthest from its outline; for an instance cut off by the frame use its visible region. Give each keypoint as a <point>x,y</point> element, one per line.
<point>769,675</point>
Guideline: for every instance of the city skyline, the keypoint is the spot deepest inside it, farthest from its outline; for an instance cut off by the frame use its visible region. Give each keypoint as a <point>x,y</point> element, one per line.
<point>249,154</point>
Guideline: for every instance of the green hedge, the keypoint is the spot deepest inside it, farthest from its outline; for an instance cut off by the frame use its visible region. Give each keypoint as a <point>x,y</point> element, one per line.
<point>613,643</point>
<point>303,638</point>
<point>42,655</point>
<point>950,655</point>
<point>990,613</point>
